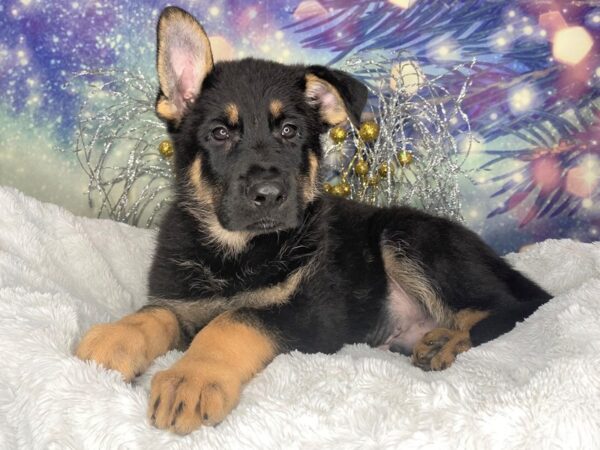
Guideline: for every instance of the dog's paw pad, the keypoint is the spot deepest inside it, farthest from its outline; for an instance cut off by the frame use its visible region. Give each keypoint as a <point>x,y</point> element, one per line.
<point>116,346</point>
<point>438,348</point>
<point>182,399</point>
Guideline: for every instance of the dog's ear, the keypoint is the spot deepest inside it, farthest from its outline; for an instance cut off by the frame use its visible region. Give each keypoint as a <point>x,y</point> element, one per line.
<point>338,95</point>
<point>183,60</point>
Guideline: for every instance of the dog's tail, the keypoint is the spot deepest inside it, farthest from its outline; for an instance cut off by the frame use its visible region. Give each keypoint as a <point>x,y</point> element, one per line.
<point>524,289</point>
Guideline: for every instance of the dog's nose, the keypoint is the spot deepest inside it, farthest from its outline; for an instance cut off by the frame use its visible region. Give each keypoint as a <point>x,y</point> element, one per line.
<point>266,194</point>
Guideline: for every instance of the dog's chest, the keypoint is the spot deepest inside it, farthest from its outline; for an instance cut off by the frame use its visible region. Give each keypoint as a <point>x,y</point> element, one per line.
<point>407,318</point>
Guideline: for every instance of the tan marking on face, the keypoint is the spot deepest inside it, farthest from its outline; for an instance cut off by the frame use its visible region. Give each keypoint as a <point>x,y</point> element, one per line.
<point>197,313</point>
<point>232,113</point>
<point>229,241</point>
<point>132,343</point>
<point>202,190</point>
<point>327,98</point>
<point>310,189</point>
<point>276,108</point>
<point>410,276</point>
<point>205,384</point>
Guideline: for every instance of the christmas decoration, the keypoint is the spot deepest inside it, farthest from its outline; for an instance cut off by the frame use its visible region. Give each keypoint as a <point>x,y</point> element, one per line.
<point>338,134</point>
<point>533,104</point>
<point>369,131</point>
<point>166,148</point>
<point>405,118</point>
<point>119,119</point>
<point>405,158</point>
<point>361,167</point>
<point>537,82</point>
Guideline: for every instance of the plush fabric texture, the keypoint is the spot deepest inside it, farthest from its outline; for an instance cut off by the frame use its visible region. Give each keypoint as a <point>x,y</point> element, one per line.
<point>535,387</point>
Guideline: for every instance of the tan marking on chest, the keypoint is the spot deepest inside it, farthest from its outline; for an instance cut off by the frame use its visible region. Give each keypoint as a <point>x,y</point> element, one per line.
<point>195,314</point>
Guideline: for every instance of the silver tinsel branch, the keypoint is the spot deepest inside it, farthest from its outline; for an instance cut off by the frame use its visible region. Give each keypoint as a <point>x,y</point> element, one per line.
<point>414,159</point>
<point>117,144</point>
<point>424,137</point>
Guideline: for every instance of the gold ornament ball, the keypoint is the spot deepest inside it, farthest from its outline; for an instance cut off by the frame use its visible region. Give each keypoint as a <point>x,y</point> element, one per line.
<point>166,148</point>
<point>369,131</point>
<point>327,187</point>
<point>373,181</point>
<point>338,135</point>
<point>361,167</point>
<point>337,190</point>
<point>384,169</point>
<point>345,189</point>
<point>405,158</point>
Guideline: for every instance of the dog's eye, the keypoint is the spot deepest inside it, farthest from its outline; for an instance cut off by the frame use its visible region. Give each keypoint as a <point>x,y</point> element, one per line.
<point>288,131</point>
<point>220,133</point>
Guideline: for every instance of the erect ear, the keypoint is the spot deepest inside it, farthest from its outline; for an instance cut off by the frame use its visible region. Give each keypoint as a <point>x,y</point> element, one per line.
<point>338,95</point>
<point>183,60</point>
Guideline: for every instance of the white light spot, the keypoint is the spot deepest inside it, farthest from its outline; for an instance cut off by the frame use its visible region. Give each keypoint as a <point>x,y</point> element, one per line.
<point>522,99</point>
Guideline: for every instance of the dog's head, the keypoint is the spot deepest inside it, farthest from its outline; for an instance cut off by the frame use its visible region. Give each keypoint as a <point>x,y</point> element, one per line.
<point>246,132</point>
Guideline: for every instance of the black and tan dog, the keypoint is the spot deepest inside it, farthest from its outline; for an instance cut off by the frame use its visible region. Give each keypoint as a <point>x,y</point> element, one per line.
<point>253,260</point>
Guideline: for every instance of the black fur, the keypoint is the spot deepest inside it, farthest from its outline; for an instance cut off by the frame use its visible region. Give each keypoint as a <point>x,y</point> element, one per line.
<point>342,298</point>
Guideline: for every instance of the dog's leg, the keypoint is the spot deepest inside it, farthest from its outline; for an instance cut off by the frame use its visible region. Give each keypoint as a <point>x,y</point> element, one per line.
<point>502,321</point>
<point>205,384</point>
<point>438,348</point>
<point>132,343</point>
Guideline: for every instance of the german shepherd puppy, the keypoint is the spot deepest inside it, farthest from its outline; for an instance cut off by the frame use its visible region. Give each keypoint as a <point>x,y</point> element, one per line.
<point>253,260</point>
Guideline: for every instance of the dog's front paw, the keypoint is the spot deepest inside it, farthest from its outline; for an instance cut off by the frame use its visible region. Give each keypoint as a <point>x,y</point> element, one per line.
<point>191,394</point>
<point>116,346</point>
<point>438,348</point>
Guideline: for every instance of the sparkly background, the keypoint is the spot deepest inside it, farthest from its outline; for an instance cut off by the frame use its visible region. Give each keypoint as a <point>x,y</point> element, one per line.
<point>533,102</point>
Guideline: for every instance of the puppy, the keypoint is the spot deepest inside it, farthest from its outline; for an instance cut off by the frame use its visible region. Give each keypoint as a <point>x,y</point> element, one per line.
<point>253,260</point>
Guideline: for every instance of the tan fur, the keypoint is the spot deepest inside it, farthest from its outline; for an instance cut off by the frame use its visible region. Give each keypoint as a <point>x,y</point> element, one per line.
<point>466,318</point>
<point>310,186</point>
<point>438,348</point>
<point>231,242</point>
<point>197,313</point>
<point>333,114</point>
<point>131,344</point>
<point>276,108</point>
<point>409,274</point>
<point>166,109</point>
<point>185,25</point>
<point>232,113</point>
<point>204,385</point>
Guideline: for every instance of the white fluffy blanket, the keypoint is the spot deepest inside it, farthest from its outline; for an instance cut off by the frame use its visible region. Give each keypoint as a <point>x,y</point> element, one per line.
<point>536,387</point>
